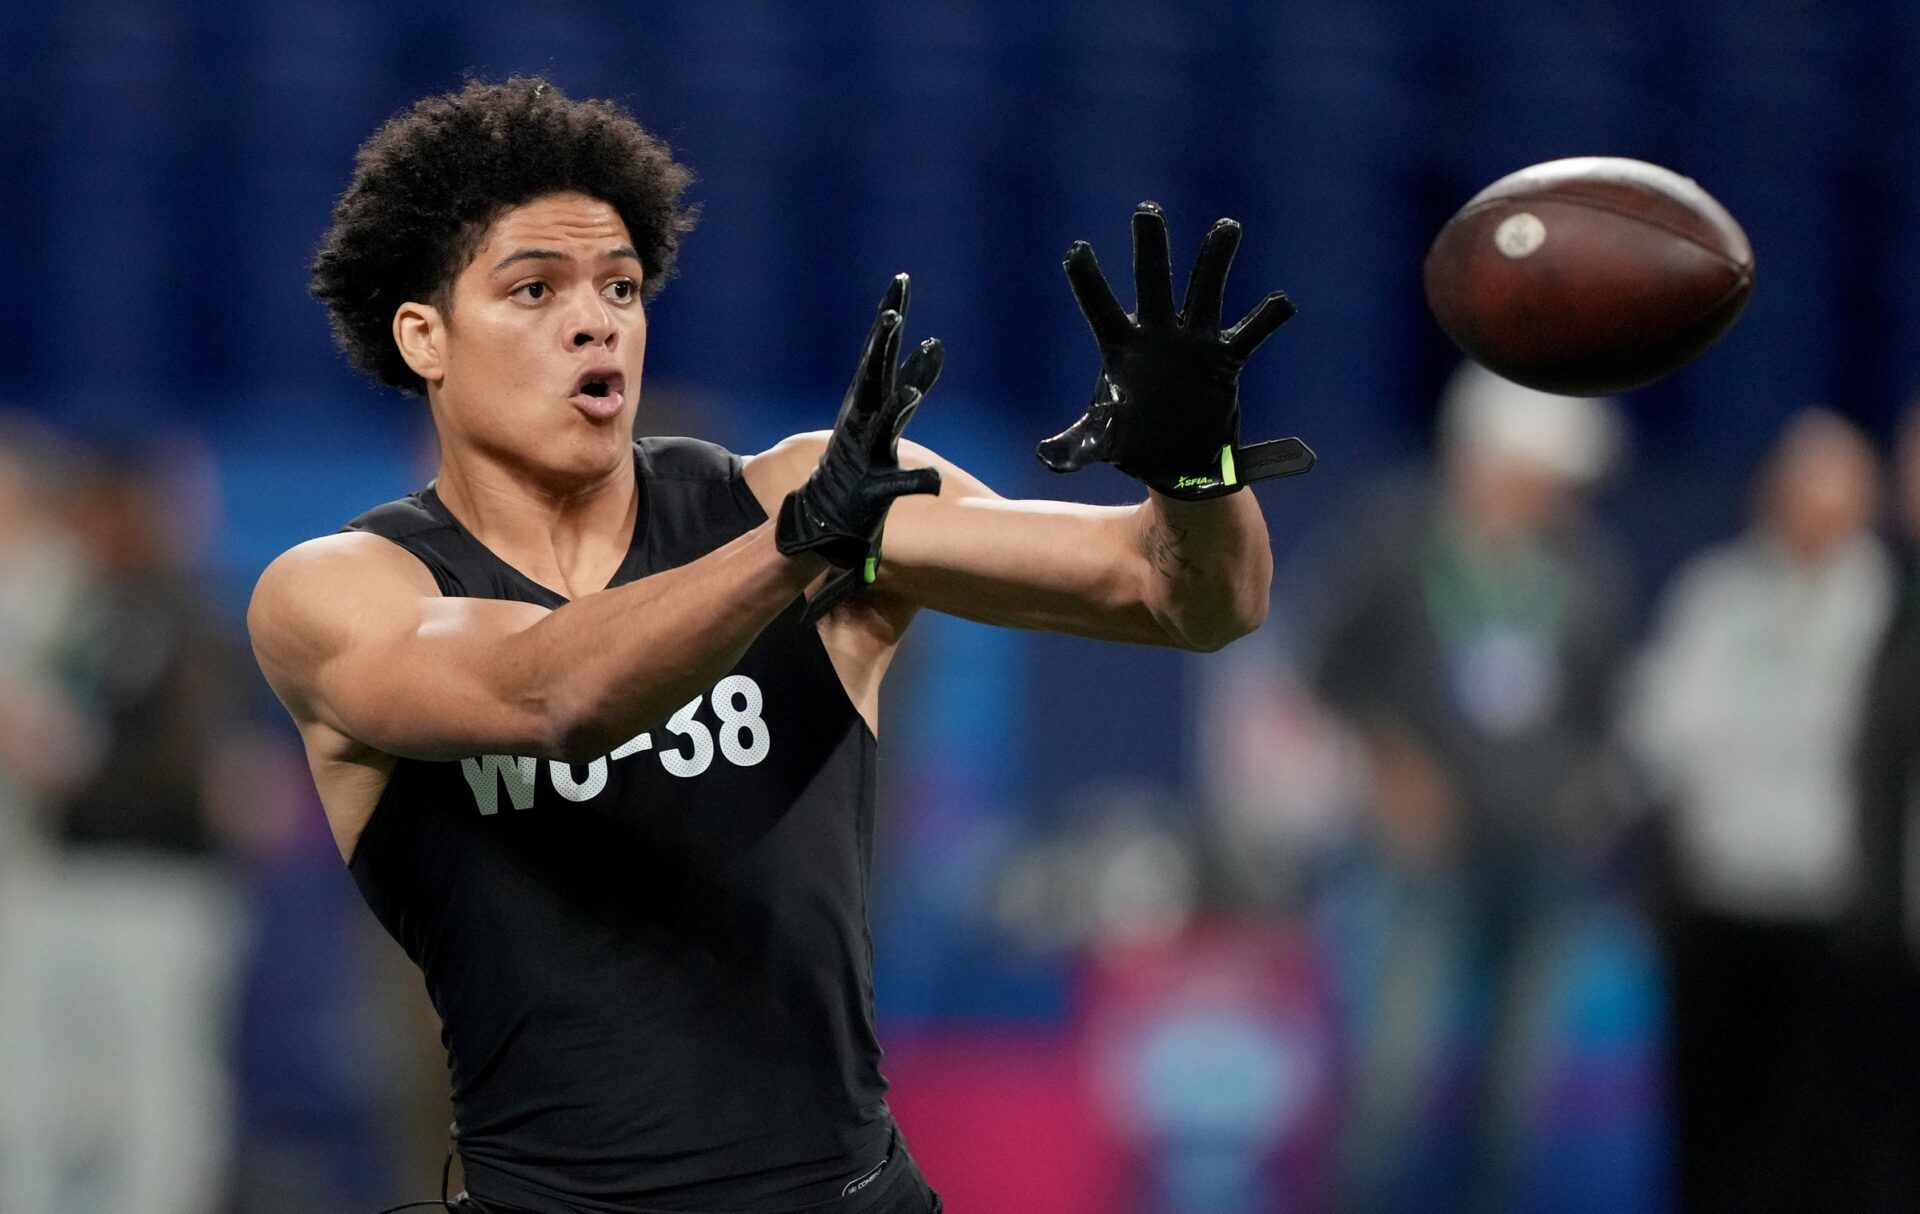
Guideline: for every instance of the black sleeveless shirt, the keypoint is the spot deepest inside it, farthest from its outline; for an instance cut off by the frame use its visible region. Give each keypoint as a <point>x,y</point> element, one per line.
<point>653,971</point>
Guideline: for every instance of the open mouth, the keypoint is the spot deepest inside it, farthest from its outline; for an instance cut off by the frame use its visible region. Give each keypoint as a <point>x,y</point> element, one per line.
<point>598,391</point>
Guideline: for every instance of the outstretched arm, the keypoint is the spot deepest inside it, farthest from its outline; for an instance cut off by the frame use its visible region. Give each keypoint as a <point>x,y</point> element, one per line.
<point>356,640</point>
<point>1193,575</point>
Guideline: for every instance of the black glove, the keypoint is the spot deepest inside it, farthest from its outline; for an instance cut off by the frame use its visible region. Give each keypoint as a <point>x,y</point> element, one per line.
<point>1166,407</point>
<point>841,510</point>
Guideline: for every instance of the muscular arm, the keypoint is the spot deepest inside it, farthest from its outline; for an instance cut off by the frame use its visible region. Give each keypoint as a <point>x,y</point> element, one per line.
<point>353,635</point>
<point>1193,575</point>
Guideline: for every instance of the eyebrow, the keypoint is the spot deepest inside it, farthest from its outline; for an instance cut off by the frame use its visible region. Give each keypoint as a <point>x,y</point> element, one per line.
<point>613,254</point>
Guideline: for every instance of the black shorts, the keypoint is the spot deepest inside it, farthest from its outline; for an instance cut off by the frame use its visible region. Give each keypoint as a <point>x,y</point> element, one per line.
<point>899,1188</point>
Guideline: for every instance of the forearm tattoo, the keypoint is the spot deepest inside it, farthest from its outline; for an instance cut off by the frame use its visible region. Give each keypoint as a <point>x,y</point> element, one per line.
<point>1163,547</point>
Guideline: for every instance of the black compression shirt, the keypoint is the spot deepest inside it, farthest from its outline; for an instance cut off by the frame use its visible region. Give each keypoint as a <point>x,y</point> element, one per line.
<point>653,971</point>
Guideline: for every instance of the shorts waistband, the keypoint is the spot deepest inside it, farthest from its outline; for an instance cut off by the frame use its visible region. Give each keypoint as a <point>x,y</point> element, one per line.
<point>895,1176</point>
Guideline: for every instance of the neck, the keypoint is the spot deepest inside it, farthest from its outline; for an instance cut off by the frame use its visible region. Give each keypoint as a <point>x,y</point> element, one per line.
<point>569,534</point>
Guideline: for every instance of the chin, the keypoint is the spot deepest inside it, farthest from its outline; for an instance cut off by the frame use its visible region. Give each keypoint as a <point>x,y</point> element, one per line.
<point>602,448</point>
<point>576,453</point>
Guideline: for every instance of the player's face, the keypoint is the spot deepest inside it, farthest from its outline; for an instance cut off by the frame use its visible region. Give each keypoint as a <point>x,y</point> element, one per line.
<point>546,338</point>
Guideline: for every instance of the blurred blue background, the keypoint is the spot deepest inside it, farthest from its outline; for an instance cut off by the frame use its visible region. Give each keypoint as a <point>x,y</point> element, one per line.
<point>166,172</point>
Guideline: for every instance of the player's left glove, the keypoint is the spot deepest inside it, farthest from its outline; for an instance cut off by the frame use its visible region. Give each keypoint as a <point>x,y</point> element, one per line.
<point>840,511</point>
<point>1166,407</point>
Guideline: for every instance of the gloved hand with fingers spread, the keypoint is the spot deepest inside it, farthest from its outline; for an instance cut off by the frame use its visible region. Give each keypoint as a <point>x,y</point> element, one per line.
<point>1166,407</point>
<point>841,510</point>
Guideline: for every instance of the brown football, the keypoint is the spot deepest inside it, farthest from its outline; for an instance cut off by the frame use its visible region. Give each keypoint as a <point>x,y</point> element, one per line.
<point>1590,275</point>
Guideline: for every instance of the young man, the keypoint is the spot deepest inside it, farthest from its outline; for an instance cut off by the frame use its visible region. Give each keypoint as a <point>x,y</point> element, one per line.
<point>594,758</point>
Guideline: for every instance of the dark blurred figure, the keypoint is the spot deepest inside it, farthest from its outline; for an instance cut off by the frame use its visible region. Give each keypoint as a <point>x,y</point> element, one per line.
<point>1472,647</point>
<point>1884,923</point>
<point>132,926</point>
<point>1746,715</point>
<point>146,653</point>
<point>39,585</point>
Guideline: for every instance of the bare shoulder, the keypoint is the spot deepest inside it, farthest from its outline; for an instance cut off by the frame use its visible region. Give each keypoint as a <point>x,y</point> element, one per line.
<point>313,593</point>
<point>781,468</point>
<point>955,481</point>
<point>328,576</point>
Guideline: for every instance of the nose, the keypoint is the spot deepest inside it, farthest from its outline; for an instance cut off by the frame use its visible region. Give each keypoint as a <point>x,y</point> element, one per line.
<point>594,324</point>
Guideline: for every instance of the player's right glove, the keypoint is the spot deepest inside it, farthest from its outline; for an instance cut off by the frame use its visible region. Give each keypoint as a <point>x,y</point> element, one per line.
<point>841,510</point>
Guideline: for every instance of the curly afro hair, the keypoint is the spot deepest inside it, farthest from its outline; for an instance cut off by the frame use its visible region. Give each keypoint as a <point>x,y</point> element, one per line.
<point>428,184</point>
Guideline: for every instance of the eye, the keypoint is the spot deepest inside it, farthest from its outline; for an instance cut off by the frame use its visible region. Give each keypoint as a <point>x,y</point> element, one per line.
<point>621,290</point>
<point>532,292</point>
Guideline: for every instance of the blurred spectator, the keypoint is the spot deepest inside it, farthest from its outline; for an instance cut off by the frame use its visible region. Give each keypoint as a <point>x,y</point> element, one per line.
<point>119,1063</point>
<point>37,593</point>
<point>1471,647</point>
<point>1745,713</point>
<point>1884,926</point>
<point>40,737</point>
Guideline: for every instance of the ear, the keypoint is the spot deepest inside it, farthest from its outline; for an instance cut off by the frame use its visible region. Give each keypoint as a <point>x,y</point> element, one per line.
<point>421,334</point>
